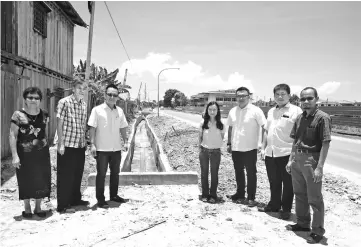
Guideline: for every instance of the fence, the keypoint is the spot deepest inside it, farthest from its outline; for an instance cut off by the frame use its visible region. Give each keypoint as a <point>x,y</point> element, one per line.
<point>340,115</point>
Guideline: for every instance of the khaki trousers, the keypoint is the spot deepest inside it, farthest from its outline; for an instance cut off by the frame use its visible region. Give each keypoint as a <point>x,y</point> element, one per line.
<point>307,192</point>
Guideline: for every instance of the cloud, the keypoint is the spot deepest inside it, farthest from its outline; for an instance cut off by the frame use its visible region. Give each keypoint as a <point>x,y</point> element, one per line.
<point>324,90</point>
<point>296,89</point>
<point>190,73</point>
<point>328,88</point>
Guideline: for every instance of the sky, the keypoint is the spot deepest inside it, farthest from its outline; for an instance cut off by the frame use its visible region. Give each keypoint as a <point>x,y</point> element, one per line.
<point>226,45</point>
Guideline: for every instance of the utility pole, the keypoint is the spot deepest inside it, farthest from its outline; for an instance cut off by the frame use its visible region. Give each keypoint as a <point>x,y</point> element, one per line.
<point>126,100</point>
<point>91,6</point>
<point>145,92</point>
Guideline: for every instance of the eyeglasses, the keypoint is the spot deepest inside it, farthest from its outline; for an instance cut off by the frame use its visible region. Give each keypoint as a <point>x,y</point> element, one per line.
<point>281,95</point>
<point>112,95</point>
<point>307,98</point>
<point>242,96</point>
<point>33,98</point>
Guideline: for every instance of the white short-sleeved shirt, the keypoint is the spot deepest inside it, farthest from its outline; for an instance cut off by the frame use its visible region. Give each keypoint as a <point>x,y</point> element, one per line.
<point>246,124</point>
<point>279,125</point>
<point>108,123</point>
<point>212,137</point>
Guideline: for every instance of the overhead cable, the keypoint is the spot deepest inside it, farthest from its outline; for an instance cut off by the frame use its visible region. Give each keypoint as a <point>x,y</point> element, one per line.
<point>118,32</point>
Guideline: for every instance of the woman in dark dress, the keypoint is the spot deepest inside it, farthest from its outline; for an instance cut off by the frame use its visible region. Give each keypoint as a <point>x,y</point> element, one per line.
<point>30,152</point>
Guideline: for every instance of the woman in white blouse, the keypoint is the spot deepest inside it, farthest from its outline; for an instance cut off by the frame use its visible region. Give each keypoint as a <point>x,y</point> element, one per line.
<point>211,136</point>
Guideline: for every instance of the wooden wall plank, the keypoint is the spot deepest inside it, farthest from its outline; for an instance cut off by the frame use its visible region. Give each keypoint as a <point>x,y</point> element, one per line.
<point>15,28</point>
<point>11,100</point>
<point>34,47</point>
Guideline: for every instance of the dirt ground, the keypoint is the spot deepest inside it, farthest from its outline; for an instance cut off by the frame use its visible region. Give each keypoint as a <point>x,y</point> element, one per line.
<point>173,215</point>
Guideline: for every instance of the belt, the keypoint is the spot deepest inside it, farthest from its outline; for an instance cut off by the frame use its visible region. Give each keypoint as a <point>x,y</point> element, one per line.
<point>305,151</point>
<point>210,149</point>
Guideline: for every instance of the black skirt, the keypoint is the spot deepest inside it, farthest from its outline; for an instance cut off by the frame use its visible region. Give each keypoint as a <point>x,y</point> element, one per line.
<point>34,174</point>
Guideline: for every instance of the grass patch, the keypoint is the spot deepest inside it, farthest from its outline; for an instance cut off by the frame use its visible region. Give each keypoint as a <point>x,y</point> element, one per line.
<point>346,129</point>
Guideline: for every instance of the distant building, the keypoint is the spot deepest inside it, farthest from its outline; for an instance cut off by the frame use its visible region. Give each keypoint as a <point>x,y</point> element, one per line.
<point>357,103</point>
<point>346,103</point>
<point>327,103</point>
<point>223,97</point>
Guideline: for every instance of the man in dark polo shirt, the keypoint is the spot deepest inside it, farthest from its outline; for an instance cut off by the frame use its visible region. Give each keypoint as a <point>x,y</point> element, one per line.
<point>312,136</point>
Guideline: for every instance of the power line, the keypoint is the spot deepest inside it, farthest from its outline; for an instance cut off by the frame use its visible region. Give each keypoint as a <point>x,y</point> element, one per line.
<point>118,33</point>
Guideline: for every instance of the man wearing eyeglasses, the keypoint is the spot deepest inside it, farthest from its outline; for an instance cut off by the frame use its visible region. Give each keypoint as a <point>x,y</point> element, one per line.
<point>245,121</point>
<point>312,136</point>
<point>276,150</point>
<point>107,122</point>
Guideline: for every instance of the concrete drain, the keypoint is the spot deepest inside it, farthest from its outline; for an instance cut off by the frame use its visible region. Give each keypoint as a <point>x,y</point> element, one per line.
<point>145,162</point>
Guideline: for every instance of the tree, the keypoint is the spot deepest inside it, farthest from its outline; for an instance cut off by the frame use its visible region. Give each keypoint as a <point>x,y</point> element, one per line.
<point>180,99</point>
<point>294,99</point>
<point>99,79</point>
<point>169,94</point>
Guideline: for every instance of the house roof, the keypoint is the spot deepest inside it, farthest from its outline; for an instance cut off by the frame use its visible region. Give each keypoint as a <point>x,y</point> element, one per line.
<point>345,102</point>
<point>71,12</point>
<point>327,102</point>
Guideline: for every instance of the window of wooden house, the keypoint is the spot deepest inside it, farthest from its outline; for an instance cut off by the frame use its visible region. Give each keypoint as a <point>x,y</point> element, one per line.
<point>40,18</point>
<point>59,94</point>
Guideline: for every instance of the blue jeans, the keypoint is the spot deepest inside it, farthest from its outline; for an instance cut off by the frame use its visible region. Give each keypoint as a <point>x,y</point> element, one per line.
<point>212,156</point>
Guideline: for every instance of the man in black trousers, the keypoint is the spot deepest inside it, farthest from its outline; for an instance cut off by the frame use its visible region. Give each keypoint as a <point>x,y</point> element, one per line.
<point>71,120</point>
<point>276,146</point>
<point>107,123</point>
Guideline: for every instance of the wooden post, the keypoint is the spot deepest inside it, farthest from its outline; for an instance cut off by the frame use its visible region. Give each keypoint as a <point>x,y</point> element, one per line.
<point>88,57</point>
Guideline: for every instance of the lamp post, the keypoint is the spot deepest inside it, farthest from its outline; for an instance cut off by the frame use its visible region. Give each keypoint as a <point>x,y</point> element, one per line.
<point>158,84</point>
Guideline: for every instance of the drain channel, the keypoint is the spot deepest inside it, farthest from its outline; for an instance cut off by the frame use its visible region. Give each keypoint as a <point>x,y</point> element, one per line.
<point>145,163</point>
<point>143,157</point>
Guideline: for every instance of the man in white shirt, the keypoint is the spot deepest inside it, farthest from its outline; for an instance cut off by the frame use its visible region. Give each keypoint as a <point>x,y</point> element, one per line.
<point>244,121</point>
<point>276,148</point>
<point>107,122</point>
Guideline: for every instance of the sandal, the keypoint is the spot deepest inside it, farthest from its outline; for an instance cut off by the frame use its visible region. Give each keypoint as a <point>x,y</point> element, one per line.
<point>27,215</point>
<point>297,228</point>
<point>41,214</point>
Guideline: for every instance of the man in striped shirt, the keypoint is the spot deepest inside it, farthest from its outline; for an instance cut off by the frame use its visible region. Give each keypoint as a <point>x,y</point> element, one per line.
<point>71,129</point>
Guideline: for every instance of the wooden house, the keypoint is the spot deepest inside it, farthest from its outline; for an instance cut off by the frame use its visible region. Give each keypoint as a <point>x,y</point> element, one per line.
<point>37,42</point>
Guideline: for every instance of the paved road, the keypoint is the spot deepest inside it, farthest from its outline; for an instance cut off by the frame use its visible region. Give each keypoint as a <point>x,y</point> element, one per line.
<point>344,153</point>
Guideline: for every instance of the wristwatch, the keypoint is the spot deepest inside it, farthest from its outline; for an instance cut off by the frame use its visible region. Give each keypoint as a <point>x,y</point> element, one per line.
<point>229,144</point>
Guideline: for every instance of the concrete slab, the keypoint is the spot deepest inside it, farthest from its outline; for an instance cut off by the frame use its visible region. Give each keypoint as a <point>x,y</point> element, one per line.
<point>153,178</point>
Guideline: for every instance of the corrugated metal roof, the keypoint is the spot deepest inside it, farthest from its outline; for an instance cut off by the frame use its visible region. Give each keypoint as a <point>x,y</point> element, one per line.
<point>71,12</point>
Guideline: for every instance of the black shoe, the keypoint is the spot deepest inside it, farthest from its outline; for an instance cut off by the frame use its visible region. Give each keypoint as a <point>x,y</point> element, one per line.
<point>68,210</point>
<point>314,238</point>
<point>242,201</point>
<point>41,214</point>
<point>103,205</point>
<point>27,215</point>
<point>235,197</point>
<point>119,199</point>
<point>285,215</point>
<point>297,228</point>
<point>267,209</point>
<point>81,203</point>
